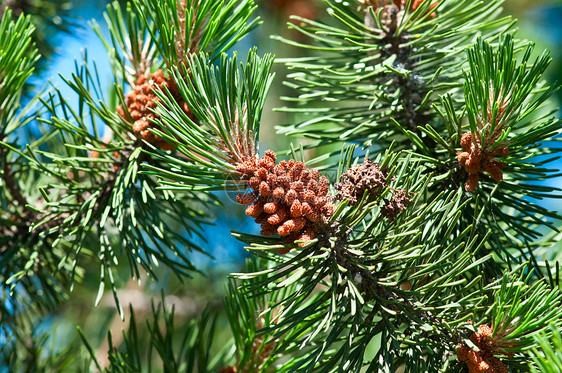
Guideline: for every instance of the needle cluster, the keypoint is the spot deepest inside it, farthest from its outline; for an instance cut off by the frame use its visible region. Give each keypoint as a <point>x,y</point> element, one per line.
<point>390,9</point>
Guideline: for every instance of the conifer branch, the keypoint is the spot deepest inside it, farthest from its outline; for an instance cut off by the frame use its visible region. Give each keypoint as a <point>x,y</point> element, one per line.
<point>93,184</point>
<point>384,61</point>
<point>548,358</point>
<point>423,254</point>
<point>225,126</point>
<point>185,27</point>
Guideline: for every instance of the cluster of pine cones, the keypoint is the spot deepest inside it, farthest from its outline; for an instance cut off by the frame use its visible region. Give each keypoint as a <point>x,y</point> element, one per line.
<point>475,160</point>
<point>483,360</point>
<point>288,198</point>
<point>142,102</point>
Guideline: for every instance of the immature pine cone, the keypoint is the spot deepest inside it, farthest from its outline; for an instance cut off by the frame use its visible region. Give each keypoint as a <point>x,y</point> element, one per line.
<point>483,360</point>
<point>288,198</point>
<point>368,176</point>
<point>143,99</point>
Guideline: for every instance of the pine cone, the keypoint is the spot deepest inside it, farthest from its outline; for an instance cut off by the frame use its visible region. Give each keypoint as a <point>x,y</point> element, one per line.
<point>143,100</point>
<point>287,198</point>
<point>475,159</point>
<point>484,359</point>
<point>368,177</point>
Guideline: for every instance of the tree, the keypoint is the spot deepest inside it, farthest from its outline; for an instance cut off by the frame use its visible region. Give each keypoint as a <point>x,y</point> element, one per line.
<point>411,241</point>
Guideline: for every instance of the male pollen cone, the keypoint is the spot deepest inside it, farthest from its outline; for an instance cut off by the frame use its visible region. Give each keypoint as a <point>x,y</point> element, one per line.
<point>143,100</point>
<point>483,361</point>
<point>286,198</point>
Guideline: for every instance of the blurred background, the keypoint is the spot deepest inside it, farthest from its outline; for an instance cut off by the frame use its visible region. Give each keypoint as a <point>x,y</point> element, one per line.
<point>64,35</point>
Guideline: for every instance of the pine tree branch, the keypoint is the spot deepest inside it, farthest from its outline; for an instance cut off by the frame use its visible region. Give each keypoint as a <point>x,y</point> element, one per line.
<point>9,179</point>
<point>31,232</point>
